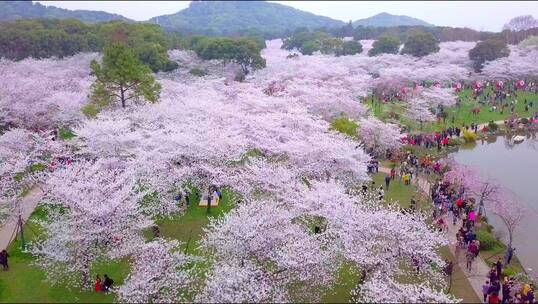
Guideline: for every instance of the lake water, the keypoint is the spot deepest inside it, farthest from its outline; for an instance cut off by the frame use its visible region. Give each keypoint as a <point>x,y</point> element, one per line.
<point>516,167</point>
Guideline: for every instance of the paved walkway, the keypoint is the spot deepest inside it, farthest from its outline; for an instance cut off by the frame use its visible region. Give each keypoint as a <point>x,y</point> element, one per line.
<point>479,272</point>
<point>28,204</point>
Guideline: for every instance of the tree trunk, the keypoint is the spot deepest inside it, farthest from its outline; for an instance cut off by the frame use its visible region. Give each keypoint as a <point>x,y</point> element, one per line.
<point>122,96</point>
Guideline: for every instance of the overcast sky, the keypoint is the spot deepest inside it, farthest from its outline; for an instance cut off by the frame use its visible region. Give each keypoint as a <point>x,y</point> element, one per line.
<point>480,15</point>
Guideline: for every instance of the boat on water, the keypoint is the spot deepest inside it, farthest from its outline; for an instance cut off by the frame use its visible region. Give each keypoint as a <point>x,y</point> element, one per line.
<point>518,139</point>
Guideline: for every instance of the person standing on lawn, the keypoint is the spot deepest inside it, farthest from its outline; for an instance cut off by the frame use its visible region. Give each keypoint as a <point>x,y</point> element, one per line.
<point>387,181</point>
<point>98,284</point>
<point>4,259</point>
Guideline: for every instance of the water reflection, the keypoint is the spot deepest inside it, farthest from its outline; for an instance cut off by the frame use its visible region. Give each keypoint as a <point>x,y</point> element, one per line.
<point>515,165</point>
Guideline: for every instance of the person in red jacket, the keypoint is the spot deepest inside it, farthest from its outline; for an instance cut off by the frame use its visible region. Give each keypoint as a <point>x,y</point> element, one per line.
<point>493,298</point>
<point>98,284</point>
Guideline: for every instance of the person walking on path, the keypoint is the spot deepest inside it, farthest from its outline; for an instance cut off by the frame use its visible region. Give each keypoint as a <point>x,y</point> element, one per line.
<point>469,258</point>
<point>485,290</point>
<point>499,267</point>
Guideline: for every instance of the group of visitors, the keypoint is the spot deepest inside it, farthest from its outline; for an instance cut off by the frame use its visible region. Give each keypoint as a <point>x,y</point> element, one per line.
<point>430,140</point>
<point>452,201</point>
<point>508,291</point>
<point>103,285</point>
<point>373,166</point>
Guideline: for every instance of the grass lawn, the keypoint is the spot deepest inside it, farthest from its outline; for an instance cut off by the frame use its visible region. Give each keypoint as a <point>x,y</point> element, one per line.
<point>491,255</point>
<point>462,115</point>
<point>400,193</point>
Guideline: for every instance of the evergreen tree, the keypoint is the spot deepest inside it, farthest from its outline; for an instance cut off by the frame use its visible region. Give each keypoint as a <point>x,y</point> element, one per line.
<point>122,76</point>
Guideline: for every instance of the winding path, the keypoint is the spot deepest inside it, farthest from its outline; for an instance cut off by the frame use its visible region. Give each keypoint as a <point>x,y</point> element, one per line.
<point>480,270</point>
<point>27,205</point>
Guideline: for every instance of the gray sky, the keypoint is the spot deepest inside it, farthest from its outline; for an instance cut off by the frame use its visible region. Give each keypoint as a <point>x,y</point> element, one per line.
<point>480,15</point>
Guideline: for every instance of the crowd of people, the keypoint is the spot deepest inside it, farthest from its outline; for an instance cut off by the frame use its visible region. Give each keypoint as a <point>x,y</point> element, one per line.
<point>451,202</point>
<point>500,288</point>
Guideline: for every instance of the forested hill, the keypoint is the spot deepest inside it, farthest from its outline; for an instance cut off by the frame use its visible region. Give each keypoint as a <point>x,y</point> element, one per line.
<point>239,17</point>
<point>11,10</point>
<point>388,20</point>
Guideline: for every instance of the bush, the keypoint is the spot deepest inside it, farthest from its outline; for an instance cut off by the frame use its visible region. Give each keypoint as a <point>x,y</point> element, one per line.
<point>509,271</point>
<point>452,142</point>
<point>469,136</point>
<point>66,134</point>
<point>493,126</point>
<point>410,148</point>
<point>198,72</point>
<point>91,110</point>
<point>487,240</point>
<point>346,126</point>
<point>34,168</point>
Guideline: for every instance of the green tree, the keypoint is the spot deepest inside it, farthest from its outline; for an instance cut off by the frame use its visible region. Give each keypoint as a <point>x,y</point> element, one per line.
<point>309,47</point>
<point>350,48</point>
<point>487,50</point>
<point>122,76</point>
<point>385,45</point>
<point>331,45</point>
<point>420,43</point>
<point>246,53</point>
<point>243,51</point>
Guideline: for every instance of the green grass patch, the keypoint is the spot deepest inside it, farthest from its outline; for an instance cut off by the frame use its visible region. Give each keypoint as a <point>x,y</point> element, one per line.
<point>400,193</point>
<point>345,126</point>
<point>34,168</point>
<point>91,110</point>
<point>188,228</point>
<point>346,282</point>
<point>198,72</point>
<point>66,134</point>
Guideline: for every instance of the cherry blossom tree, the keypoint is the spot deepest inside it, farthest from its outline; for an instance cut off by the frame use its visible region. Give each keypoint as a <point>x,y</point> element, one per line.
<point>42,94</point>
<point>160,274</point>
<point>513,67</point>
<point>380,137</point>
<point>419,110</point>
<point>21,153</point>
<point>511,211</point>
<point>92,214</point>
<point>439,97</point>
<point>487,191</point>
<point>278,244</point>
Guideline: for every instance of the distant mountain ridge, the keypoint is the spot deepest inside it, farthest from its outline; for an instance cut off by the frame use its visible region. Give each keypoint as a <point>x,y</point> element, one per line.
<point>213,17</point>
<point>389,20</point>
<point>231,17</point>
<point>13,10</point>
